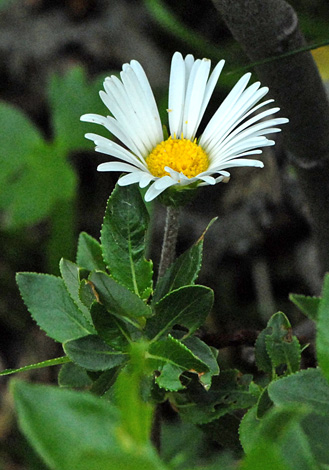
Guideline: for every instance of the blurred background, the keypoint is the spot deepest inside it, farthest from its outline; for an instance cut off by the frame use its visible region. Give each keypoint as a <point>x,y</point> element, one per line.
<point>54,55</point>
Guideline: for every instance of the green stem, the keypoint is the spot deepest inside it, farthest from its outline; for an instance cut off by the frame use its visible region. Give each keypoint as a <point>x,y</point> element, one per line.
<point>167,257</point>
<point>169,240</point>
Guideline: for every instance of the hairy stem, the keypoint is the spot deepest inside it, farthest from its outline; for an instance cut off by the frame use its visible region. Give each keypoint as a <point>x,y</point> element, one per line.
<point>169,240</point>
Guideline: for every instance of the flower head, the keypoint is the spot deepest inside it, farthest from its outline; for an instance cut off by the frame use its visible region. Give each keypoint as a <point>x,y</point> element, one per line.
<point>182,160</point>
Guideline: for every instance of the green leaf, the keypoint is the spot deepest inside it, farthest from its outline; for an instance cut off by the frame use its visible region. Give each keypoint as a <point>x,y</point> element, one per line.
<point>70,96</point>
<point>123,240</point>
<point>92,353</point>
<point>307,387</point>
<point>37,174</point>
<point>188,306</point>
<point>322,338</point>
<point>182,272</point>
<point>87,293</point>
<point>51,306</point>
<point>172,351</point>
<point>73,376</point>
<point>276,346</point>
<point>229,391</point>
<point>276,442</point>
<point>102,385</point>
<point>89,254</point>
<point>263,360</point>
<point>172,358</point>
<point>50,362</point>
<point>114,331</point>
<point>71,276</point>
<point>119,300</point>
<point>207,355</point>
<point>16,127</point>
<point>264,403</point>
<point>204,353</point>
<point>169,378</point>
<point>310,389</point>
<point>307,305</point>
<point>75,430</point>
<point>281,345</point>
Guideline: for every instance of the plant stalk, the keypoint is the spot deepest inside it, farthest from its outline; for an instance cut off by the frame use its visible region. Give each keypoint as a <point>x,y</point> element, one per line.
<point>167,257</point>
<point>169,240</point>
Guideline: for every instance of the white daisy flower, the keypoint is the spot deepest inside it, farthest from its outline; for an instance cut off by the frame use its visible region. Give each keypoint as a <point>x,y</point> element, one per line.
<point>181,160</point>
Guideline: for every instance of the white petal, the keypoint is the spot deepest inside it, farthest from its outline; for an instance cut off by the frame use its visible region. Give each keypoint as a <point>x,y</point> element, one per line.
<point>216,180</point>
<point>125,118</point>
<point>230,126</point>
<point>114,127</point>
<point>141,107</point>
<point>145,179</point>
<point>210,88</point>
<point>149,96</point>
<point>111,148</point>
<point>164,182</point>
<point>245,130</point>
<point>173,173</point>
<point>120,104</point>
<point>131,178</point>
<point>208,179</point>
<point>243,145</point>
<point>195,96</point>
<point>189,61</point>
<point>233,116</point>
<point>225,179</point>
<point>241,162</point>
<point>116,166</point>
<point>176,94</point>
<point>227,104</point>
<point>154,190</point>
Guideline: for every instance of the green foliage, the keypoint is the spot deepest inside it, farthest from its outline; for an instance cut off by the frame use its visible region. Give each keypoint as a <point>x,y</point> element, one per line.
<point>40,365</point>
<point>118,299</point>
<point>308,389</point>
<point>187,306</point>
<point>71,274</point>
<point>135,411</point>
<point>69,97</point>
<point>37,180</point>
<point>277,441</point>
<point>73,376</point>
<point>123,240</point>
<point>276,347</point>
<point>322,341</point>
<point>87,433</point>
<point>306,304</point>
<point>89,253</point>
<point>115,331</point>
<point>130,351</point>
<point>171,358</point>
<point>182,272</point>
<point>28,168</point>
<point>52,307</point>
<point>92,353</point>
<point>293,429</point>
<point>35,166</point>
<point>229,391</point>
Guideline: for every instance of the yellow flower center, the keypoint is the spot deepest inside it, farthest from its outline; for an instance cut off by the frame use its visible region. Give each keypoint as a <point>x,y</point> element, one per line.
<point>181,155</point>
